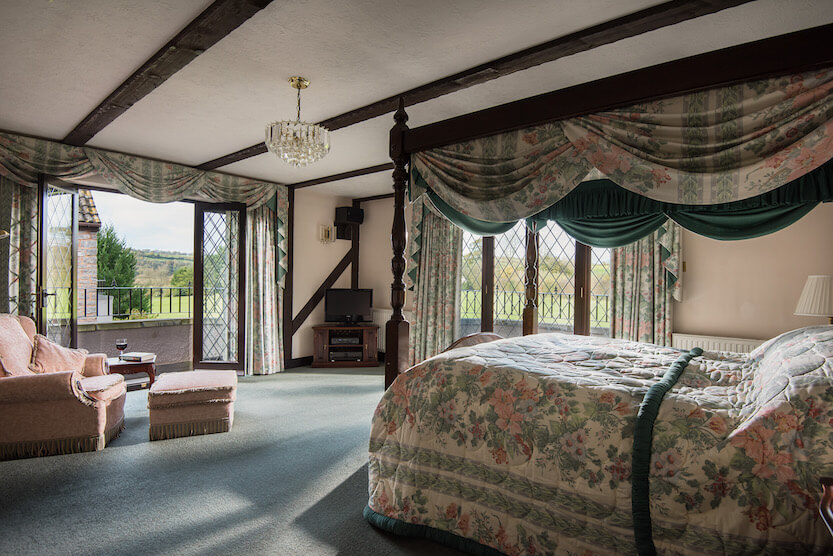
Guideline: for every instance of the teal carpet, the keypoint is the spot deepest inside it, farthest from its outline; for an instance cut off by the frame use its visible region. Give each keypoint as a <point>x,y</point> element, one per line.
<point>290,478</point>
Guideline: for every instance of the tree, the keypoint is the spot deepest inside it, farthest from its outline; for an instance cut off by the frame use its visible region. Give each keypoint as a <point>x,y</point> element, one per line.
<point>117,267</point>
<point>116,261</point>
<point>183,277</point>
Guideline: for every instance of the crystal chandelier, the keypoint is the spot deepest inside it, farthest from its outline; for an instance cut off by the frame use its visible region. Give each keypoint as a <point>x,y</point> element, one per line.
<point>298,143</point>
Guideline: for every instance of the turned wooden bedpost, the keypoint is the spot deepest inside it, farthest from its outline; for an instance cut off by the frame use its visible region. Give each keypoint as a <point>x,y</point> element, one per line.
<point>397,328</point>
<point>530,312</point>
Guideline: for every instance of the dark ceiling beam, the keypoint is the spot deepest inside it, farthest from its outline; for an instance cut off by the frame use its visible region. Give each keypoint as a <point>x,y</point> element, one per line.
<point>795,52</point>
<point>215,22</point>
<point>343,176</point>
<point>643,21</point>
<point>374,198</point>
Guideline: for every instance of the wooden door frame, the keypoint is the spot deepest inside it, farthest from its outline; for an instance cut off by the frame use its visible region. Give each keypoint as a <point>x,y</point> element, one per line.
<point>44,181</point>
<point>197,340</point>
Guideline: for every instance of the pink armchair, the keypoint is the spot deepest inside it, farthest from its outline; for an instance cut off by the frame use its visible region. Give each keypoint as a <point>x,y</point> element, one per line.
<point>57,412</point>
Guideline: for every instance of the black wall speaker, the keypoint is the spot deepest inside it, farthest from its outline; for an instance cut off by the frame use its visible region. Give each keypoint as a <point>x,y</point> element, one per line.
<point>349,215</point>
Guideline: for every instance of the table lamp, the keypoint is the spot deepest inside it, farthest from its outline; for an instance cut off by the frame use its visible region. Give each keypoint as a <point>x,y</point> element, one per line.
<point>817,298</point>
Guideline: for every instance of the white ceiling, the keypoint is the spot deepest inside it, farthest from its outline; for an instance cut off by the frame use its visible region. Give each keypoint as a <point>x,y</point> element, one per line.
<point>59,59</point>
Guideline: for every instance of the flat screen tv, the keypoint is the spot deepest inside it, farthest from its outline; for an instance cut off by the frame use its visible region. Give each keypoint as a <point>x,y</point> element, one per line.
<point>347,305</point>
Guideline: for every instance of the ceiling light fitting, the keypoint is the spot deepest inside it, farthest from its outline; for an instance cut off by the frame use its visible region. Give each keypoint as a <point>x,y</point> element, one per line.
<point>295,142</point>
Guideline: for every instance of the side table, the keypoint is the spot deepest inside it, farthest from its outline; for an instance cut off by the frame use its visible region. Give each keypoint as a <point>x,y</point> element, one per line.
<point>116,365</point>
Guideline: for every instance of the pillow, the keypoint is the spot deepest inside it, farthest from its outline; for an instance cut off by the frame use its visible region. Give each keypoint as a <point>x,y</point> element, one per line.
<point>49,357</point>
<point>15,346</point>
<point>4,371</point>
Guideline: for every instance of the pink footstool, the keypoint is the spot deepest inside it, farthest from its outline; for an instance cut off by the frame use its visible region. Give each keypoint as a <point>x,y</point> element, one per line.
<point>191,403</point>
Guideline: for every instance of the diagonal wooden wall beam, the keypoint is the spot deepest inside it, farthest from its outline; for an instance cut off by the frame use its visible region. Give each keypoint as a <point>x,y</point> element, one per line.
<point>643,21</point>
<point>215,22</point>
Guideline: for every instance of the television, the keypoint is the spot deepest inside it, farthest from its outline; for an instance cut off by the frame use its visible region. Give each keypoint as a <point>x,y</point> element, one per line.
<point>348,305</point>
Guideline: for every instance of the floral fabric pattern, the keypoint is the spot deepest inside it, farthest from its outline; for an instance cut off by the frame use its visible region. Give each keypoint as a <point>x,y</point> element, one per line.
<point>23,158</point>
<point>435,246</point>
<point>23,246</point>
<point>264,325</point>
<point>644,282</point>
<point>708,147</point>
<point>524,445</point>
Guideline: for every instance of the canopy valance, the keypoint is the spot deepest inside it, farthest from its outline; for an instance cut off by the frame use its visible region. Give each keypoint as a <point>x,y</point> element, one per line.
<point>716,146</point>
<point>602,214</point>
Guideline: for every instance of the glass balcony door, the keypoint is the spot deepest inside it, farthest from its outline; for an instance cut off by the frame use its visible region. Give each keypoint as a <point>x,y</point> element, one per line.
<point>219,280</point>
<point>57,277</point>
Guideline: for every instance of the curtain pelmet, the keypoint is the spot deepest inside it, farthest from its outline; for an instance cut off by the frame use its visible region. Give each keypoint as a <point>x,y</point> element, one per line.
<point>716,146</point>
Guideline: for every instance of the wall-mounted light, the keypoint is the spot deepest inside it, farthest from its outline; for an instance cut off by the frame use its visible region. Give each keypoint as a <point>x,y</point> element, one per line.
<point>326,233</point>
<point>4,234</point>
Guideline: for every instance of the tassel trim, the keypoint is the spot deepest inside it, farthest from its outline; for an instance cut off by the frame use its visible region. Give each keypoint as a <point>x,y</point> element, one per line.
<point>53,447</point>
<point>58,446</point>
<point>176,430</point>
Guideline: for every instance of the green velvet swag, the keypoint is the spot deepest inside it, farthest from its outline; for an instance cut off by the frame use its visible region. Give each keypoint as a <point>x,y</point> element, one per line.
<point>599,213</point>
<point>641,457</point>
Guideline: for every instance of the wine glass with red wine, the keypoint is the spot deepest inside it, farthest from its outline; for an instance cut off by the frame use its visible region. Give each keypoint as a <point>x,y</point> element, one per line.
<point>121,345</point>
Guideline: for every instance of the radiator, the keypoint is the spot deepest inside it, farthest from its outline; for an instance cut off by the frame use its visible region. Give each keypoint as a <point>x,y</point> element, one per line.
<point>714,343</point>
<point>380,318</point>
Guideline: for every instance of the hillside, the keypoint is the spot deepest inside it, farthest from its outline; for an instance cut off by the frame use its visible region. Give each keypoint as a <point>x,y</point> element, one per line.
<point>155,268</point>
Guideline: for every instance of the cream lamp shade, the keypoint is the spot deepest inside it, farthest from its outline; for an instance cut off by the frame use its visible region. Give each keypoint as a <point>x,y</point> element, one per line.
<point>817,297</point>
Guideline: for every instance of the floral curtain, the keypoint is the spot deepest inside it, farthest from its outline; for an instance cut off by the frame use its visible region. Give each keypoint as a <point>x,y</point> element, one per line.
<point>644,281</point>
<point>435,249</point>
<point>264,330</point>
<point>714,146</point>
<point>21,206</point>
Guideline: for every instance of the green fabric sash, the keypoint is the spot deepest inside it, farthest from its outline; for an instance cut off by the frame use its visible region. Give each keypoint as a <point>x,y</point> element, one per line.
<point>641,458</point>
<point>405,529</point>
<point>599,213</point>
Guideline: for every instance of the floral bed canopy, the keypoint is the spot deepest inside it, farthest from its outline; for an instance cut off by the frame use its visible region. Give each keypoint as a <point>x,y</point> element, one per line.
<point>734,147</point>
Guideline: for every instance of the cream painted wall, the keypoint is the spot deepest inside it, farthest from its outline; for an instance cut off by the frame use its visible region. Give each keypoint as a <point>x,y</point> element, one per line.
<point>375,250</point>
<point>314,260</point>
<point>749,288</point>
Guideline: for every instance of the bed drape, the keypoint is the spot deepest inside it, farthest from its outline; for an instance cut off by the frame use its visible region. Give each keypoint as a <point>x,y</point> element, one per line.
<point>644,281</point>
<point>435,246</point>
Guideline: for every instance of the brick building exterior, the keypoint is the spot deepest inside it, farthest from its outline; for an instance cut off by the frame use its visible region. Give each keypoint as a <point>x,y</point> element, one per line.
<point>88,226</point>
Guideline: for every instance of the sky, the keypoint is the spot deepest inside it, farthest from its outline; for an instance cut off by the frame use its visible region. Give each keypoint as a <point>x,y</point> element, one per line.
<point>159,226</point>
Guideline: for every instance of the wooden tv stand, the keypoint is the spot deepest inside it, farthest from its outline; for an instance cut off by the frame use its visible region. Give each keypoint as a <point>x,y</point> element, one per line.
<point>342,345</point>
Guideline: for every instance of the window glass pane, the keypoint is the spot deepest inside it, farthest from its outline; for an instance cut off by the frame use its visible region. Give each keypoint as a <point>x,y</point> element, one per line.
<point>470,284</point>
<point>600,292</point>
<point>510,258</point>
<point>556,279</point>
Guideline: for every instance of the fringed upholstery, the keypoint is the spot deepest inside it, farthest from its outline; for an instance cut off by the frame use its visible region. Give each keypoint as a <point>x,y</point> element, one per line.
<point>58,446</point>
<point>114,432</point>
<point>51,447</point>
<point>176,430</point>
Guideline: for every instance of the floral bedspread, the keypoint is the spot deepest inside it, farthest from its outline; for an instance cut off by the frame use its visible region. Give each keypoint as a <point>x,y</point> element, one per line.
<point>525,445</point>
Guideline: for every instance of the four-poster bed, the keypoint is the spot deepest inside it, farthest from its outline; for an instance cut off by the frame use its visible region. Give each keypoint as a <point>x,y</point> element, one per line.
<point>543,443</point>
